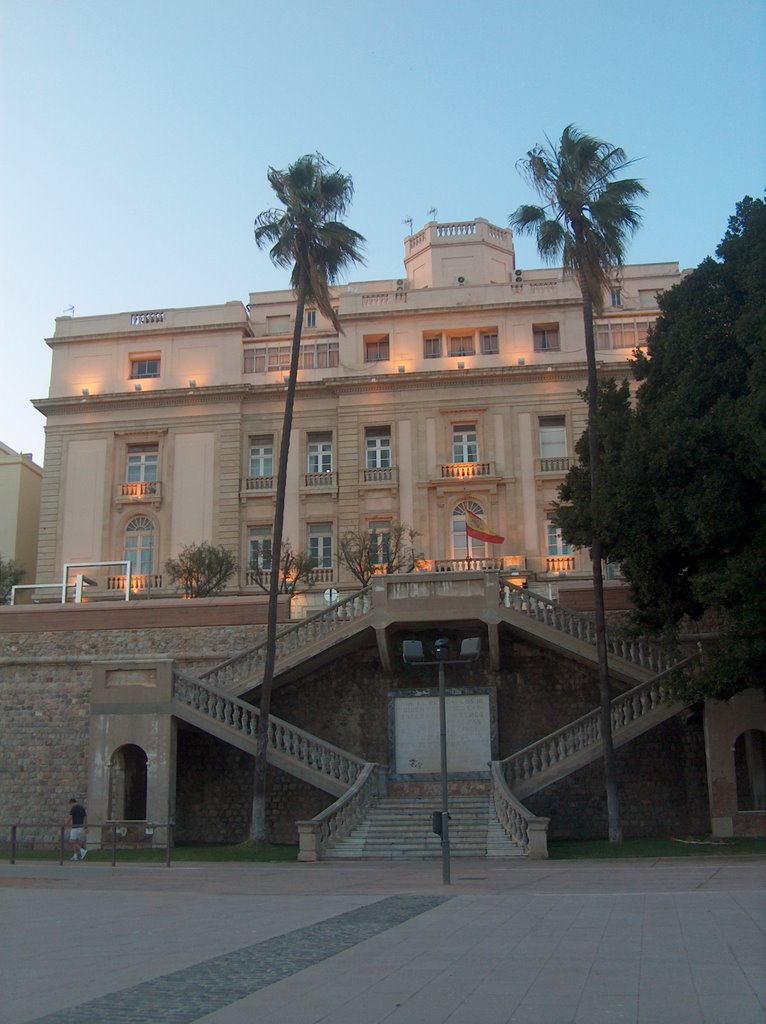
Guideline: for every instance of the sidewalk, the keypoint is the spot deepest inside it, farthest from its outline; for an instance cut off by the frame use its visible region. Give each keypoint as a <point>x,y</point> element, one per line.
<point>570,942</point>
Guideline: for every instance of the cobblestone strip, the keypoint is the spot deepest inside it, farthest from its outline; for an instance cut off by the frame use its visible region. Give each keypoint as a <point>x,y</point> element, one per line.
<point>186,995</point>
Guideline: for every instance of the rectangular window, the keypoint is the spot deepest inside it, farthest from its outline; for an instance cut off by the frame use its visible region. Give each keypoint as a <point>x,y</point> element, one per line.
<point>489,343</point>
<point>278,324</point>
<point>279,358</point>
<point>545,337</point>
<point>465,447</point>
<point>432,346</point>
<point>319,356</point>
<point>616,296</point>
<point>461,345</point>
<point>320,544</point>
<point>142,463</point>
<point>144,366</point>
<point>555,544</point>
<point>319,453</point>
<point>376,349</point>
<point>553,437</point>
<point>377,441</point>
<point>261,456</point>
<point>254,360</point>
<point>259,550</point>
<point>379,531</point>
<point>621,334</point>
<point>311,318</point>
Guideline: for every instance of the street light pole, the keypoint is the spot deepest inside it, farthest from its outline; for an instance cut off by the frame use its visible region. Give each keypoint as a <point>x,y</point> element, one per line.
<point>444,786</point>
<point>412,653</point>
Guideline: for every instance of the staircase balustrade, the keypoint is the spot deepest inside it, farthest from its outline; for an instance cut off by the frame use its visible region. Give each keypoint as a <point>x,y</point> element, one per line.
<point>337,821</point>
<point>249,664</point>
<point>584,734</point>
<point>242,718</point>
<point>525,829</point>
<point>580,627</point>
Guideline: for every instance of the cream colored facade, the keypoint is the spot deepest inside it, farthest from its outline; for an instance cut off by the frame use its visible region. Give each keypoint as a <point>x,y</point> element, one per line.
<point>20,482</point>
<point>456,384</point>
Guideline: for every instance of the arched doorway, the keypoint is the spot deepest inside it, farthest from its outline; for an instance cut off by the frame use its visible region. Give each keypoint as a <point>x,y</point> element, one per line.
<point>750,769</point>
<point>127,791</point>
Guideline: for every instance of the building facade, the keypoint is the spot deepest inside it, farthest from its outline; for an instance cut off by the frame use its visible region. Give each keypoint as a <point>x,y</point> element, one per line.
<point>452,388</point>
<point>20,483</point>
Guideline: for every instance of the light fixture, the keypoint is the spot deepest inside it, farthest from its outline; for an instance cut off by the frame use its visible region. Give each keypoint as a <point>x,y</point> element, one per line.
<point>85,392</point>
<point>401,367</point>
<point>461,365</point>
<point>192,383</point>
<point>136,387</point>
<point>286,378</point>
<point>520,361</point>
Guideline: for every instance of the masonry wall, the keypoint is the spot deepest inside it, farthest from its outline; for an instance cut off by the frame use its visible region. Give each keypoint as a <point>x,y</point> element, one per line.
<point>45,681</point>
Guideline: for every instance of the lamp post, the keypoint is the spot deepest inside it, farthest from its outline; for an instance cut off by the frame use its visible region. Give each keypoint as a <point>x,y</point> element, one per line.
<point>412,653</point>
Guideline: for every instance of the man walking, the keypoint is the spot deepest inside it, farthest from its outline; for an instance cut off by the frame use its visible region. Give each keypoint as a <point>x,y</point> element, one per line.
<point>77,823</point>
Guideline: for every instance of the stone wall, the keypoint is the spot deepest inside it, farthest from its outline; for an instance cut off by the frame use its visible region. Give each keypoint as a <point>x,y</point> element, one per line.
<point>45,681</point>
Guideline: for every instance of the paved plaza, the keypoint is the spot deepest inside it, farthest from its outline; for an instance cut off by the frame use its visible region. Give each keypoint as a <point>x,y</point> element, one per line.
<point>518,942</point>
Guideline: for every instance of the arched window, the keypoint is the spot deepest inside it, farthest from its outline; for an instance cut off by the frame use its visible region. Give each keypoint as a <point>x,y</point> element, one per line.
<point>750,768</point>
<point>464,546</point>
<point>127,797</point>
<point>139,545</point>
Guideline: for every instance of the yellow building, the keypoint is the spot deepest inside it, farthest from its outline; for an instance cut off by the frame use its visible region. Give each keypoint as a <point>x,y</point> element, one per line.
<point>451,388</point>
<point>20,480</point>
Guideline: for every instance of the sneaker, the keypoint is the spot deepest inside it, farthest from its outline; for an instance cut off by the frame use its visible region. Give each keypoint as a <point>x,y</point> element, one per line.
<point>82,854</point>
<point>74,858</point>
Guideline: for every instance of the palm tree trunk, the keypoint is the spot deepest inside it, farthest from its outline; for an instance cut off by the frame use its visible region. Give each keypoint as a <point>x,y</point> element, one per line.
<point>258,827</point>
<point>605,696</point>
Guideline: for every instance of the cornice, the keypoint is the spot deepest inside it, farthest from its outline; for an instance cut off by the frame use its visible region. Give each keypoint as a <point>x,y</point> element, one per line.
<point>414,381</point>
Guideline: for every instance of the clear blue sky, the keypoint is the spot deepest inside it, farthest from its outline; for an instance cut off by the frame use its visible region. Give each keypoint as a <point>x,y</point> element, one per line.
<point>136,136</point>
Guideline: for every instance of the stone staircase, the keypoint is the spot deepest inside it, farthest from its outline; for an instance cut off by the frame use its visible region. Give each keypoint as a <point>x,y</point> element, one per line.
<point>399,828</point>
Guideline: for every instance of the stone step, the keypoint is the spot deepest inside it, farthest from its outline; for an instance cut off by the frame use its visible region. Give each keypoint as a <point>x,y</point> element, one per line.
<point>400,828</point>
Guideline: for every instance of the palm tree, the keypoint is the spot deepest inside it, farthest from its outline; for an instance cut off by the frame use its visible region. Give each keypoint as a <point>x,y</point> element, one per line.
<point>585,222</point>
<point>307,236</point>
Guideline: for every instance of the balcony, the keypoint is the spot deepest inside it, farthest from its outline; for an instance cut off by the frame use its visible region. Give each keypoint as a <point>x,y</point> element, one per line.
<point>140,583</point>
<point>557,564</point>
<point>263,578</point>
<point>248,484</point>
<point>492,563</point>
<point>327,481</point>
<point>139,491</point>
<point>466,470</point>
<point>558,465</point>
<point>379,475</point>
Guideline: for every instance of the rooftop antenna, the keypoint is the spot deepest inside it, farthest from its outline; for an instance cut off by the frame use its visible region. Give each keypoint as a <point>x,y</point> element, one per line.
<point>69,311</point>
<point>408,220</point>
<point>432,213</point>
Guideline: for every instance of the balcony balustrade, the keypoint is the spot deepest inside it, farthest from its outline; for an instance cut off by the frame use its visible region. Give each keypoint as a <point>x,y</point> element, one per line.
<point>379,475</point>
<point>140,490</point>
<point>257,483</point>
<point>492,563</point>
<point>139,582</point>
<point>320,481</point>
<point>466,470</point>
<point>560,464</point>
<point>559,563</point>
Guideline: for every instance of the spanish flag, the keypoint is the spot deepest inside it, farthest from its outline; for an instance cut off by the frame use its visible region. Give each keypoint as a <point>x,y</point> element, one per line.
<point>479,530</point>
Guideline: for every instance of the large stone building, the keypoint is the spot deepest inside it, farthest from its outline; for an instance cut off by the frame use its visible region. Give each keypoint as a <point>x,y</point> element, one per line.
<point>20,482</point>
<point>452,391</point>
<point>455,386</point>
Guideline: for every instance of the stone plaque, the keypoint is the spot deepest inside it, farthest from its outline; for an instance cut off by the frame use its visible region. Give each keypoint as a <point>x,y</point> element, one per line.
<point>416,734</point>
<point>131,677</point>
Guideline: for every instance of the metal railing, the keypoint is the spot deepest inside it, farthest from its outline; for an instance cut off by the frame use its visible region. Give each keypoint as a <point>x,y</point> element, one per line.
<point>112,828</point>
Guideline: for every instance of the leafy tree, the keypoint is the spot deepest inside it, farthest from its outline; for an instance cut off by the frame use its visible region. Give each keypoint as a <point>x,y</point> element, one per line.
<point>366,553</point>
<point>306,236</point>
<point>693,536</point>
<point>587,217</point>
<point>201,570</point>
<point>10,575</point>
<point>295,567</point>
